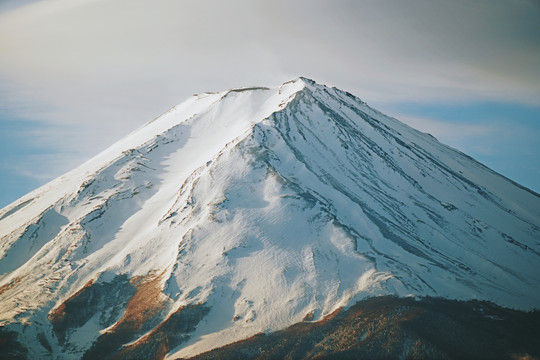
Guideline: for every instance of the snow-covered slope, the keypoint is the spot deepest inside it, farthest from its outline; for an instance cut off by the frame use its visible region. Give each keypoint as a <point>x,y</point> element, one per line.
<point>257,207</point>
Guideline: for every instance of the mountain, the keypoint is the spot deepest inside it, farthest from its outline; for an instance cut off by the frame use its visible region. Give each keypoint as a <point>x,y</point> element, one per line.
<point>260,210</point>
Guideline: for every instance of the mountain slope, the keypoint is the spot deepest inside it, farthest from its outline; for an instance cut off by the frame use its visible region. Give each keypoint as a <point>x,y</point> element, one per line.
<point>244,211</point>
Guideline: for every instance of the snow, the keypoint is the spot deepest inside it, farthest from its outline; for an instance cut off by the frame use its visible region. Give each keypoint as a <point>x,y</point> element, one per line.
<point>266,204</point>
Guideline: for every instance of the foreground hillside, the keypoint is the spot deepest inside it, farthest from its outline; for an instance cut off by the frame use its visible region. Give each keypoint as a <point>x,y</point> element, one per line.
<point>399,328</point>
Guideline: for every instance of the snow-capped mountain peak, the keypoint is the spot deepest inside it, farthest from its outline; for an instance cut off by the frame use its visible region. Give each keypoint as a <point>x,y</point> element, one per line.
<point>249,210</point>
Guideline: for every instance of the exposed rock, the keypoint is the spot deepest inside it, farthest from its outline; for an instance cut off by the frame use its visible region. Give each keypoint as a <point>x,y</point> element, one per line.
<point>144,311</point>
<point>106,299</point>
<point>171,333</point>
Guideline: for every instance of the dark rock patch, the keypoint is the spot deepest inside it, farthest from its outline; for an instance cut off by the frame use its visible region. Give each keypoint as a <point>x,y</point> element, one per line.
<point>10,347</point>
<point>107,299</point>
<point>171,333</point>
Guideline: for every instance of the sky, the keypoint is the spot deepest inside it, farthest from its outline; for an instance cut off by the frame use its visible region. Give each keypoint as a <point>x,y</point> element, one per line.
<point>77,75</point>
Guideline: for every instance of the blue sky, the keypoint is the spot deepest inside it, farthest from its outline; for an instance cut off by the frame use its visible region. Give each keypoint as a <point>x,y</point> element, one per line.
<point>77,75</point>
<point>502,136</point>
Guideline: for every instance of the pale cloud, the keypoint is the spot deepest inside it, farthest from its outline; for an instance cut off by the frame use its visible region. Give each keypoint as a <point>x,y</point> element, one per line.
<point>384,51</point>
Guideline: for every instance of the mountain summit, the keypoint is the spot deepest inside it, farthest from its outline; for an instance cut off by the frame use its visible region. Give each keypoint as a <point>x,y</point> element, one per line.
<point>251,210</point>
